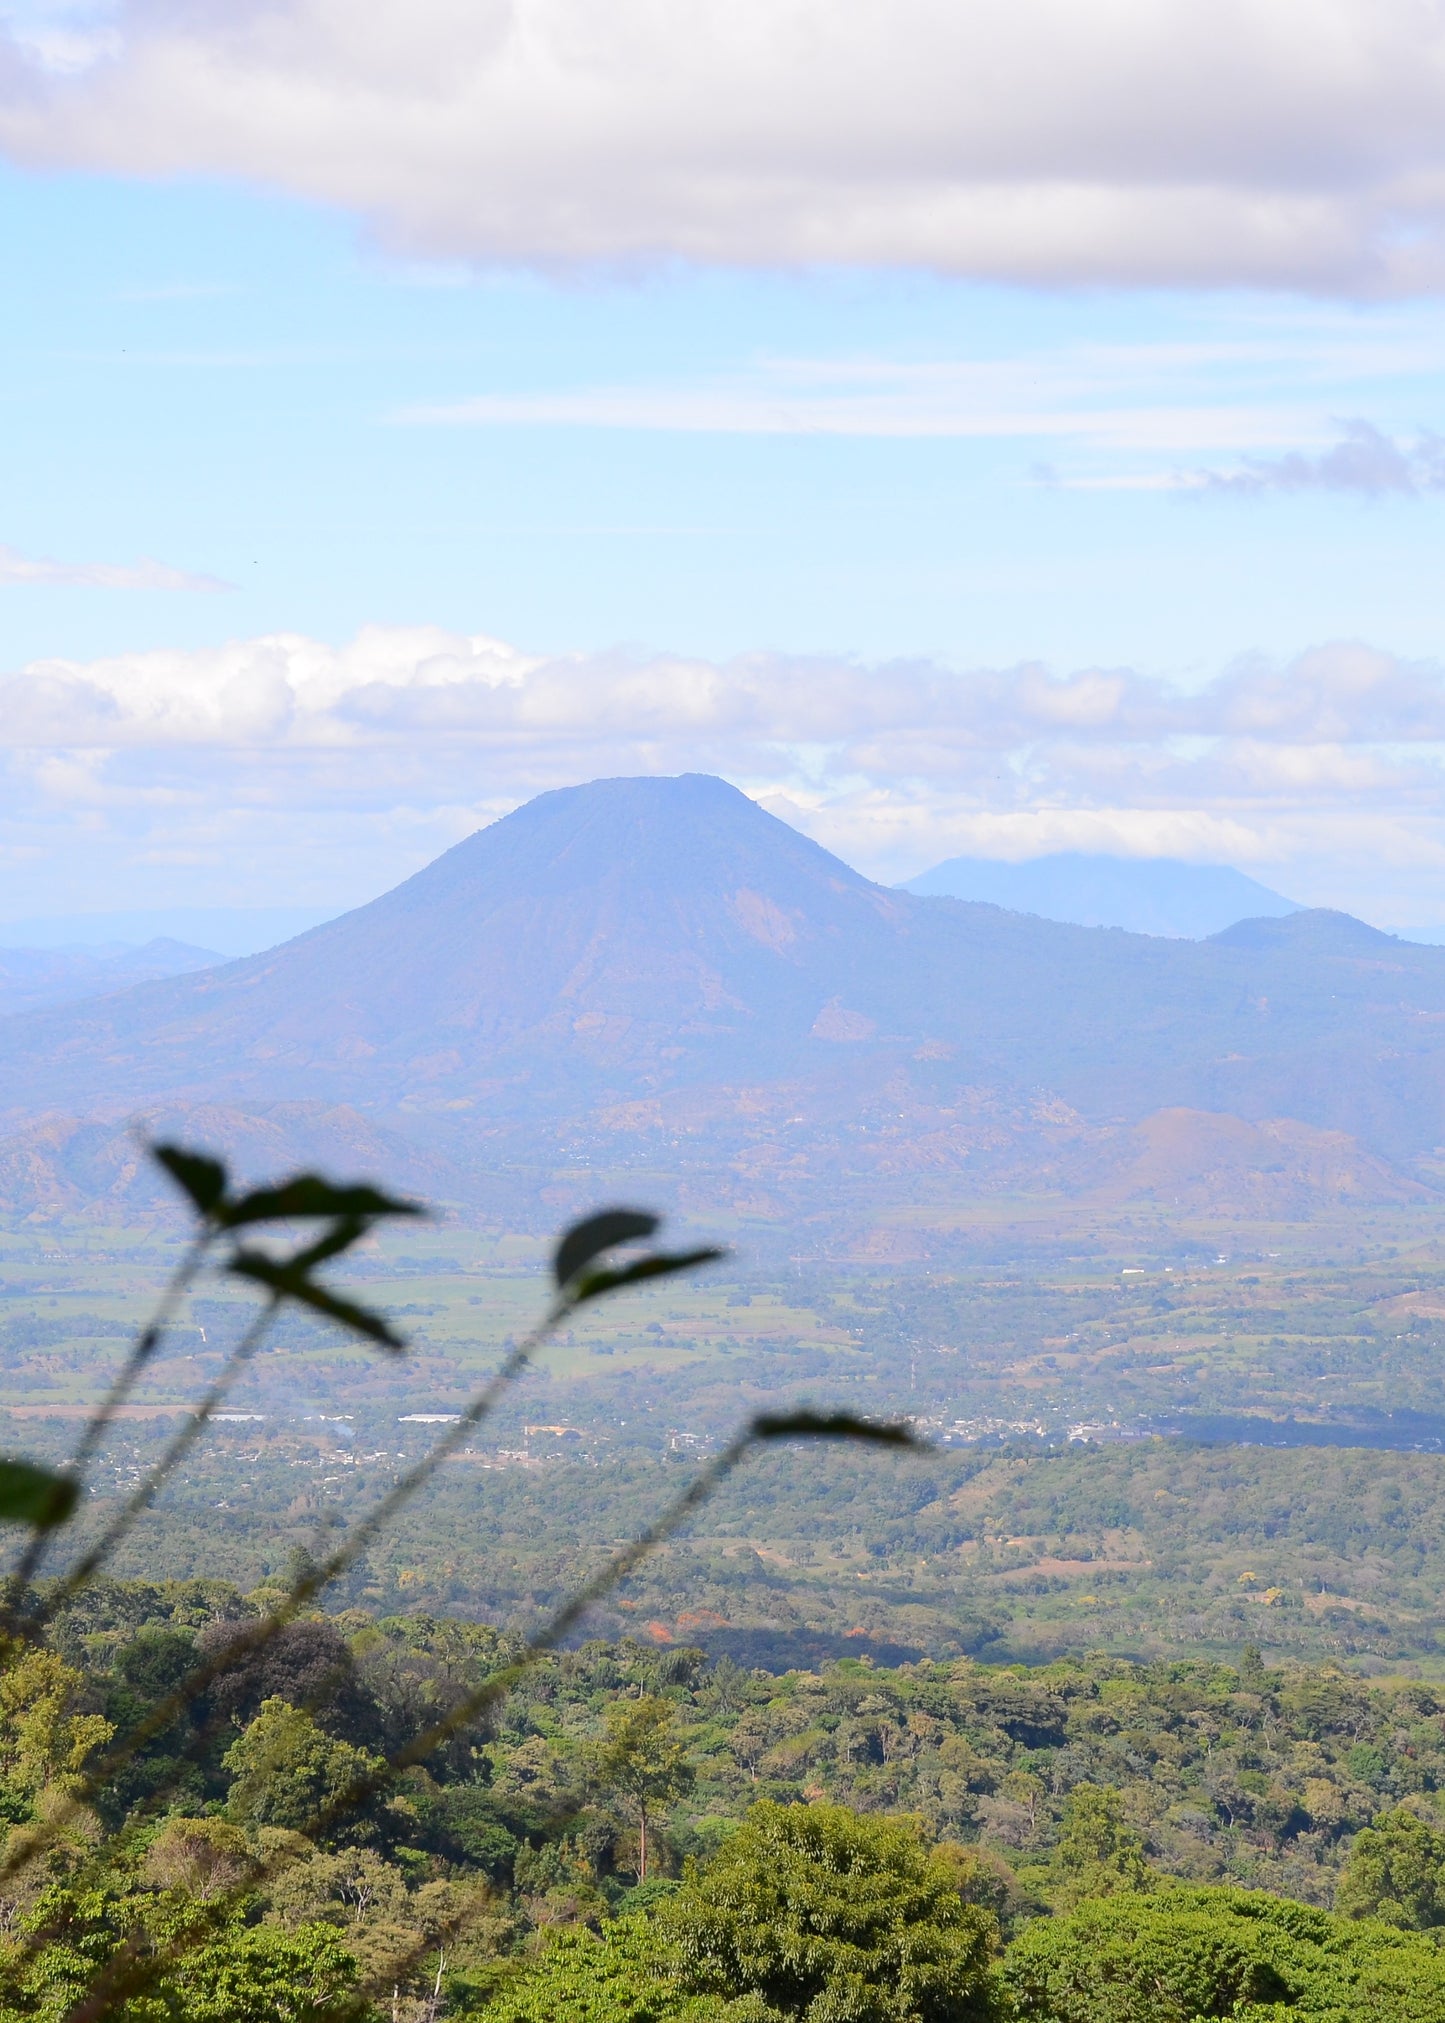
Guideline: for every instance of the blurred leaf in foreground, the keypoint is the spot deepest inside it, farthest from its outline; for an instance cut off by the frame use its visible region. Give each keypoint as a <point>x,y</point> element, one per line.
<point>290,1279</point>
<point>662,1264</point>
<point>207,1184</point>
<point>204,1180</point>
<point>832,1426</point>
<point>308,1194</point>
<point>36,1496</point>
<point>603,1231</point>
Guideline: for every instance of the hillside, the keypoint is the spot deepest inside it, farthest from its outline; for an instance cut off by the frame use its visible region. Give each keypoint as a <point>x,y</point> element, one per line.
<point>657,971</point>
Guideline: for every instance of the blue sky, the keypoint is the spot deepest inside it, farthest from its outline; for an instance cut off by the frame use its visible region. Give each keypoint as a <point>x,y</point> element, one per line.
<point>238,386</point>
<point>273,374</point>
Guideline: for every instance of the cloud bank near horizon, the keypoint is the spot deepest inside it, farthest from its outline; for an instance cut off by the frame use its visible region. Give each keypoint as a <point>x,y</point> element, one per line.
<point>1295,144</point>
<point>282,764</point>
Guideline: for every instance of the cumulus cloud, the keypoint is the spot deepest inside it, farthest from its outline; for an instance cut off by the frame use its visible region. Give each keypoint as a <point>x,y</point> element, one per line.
<point>1275,143</point>
<point>143,575</point>
<point>223,775</point>
<point>1364,461</point>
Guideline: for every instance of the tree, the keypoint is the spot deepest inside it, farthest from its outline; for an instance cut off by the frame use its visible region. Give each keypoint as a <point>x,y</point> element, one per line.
<point>257,1974</point>
<point>823,1912</point>
<point>1395,1872</point>
<point>308,1663</point>
<point>642,1759</point>
<point>986,1880</point>
<point>204,1857</point>
<point>238,1974</point>
<point>1179,1955</point>
<point>1098,1852</point>
<point>625,1976</point>
<point>285,1770</point>
<point>44,1739</point>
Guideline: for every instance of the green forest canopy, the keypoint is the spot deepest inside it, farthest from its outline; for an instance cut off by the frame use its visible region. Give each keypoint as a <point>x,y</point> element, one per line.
<point>1271,1827</point>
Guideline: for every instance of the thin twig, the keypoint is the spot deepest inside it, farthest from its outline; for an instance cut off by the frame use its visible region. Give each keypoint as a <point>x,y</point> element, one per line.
<point>122,1384</point>
<point>298,1596</point>
<point>125,1976</point>
<point>139,1498</point>
<point>145,1347</point>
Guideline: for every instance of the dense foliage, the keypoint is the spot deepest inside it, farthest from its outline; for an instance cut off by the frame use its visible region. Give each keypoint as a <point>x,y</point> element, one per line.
<point>805,1911</point>
<point>854,1827</point>
<point>819,1911</point>
<point>1186,1954</point>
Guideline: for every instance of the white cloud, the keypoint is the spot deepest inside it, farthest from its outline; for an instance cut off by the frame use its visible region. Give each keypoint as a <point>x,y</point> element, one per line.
<point>1365,461</point>
<point>143,575</point>
<point>394,689</point>
<point>1217,417</point>
<point>1276,143</point>
<point>952,402</point>
<point>224,775</point>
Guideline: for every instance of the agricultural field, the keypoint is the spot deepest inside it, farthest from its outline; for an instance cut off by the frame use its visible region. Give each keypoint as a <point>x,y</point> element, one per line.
<point>1145,1436</point>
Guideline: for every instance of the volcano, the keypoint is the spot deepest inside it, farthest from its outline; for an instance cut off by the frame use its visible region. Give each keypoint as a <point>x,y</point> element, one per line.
<point>658,964</point>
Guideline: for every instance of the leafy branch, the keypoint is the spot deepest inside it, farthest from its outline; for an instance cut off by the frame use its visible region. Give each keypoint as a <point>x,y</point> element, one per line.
<point>584,1268</point>
<point>204,1180</point>
<point>131,1971</point>
<point>350,1213</point>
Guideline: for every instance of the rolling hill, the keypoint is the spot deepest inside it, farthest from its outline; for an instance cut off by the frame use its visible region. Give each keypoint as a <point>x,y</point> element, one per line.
<point>656,973</point>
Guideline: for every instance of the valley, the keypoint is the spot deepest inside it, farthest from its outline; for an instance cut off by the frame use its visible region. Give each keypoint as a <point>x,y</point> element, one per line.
<point>1148,1432</point>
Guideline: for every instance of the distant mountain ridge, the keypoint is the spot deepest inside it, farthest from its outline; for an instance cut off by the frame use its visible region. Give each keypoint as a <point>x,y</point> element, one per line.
<point>228,931</point>
<point>655,973</point>
<point>33,978</point>
<point>1145,895</point>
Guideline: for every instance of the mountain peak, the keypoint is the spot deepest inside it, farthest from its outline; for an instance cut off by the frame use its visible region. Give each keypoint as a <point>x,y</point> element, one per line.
<point>658,833</point>
<point>632,929</point>
<point>1145,895</point>
<point>637,967</point>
